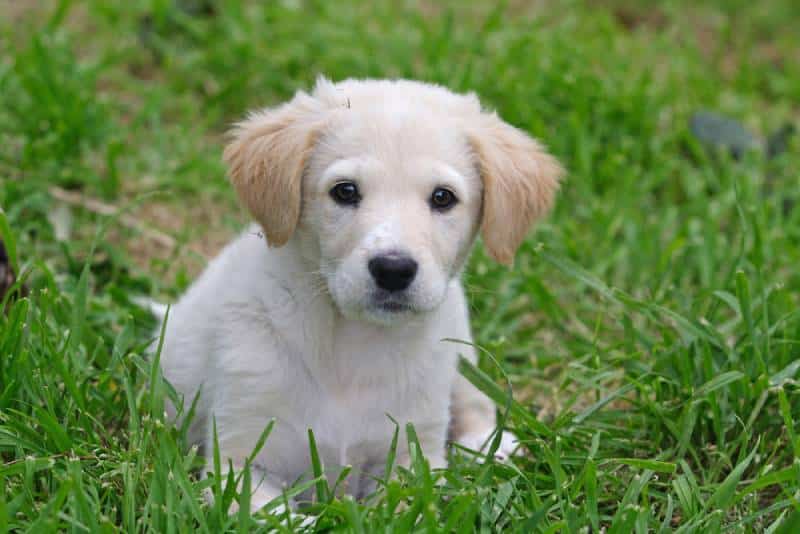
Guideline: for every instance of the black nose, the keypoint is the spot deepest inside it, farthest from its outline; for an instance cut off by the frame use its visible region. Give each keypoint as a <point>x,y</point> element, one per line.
<point>393,272</point>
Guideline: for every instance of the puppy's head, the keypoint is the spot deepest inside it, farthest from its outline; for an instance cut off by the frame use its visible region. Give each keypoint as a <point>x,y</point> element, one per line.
<point>384,185</point>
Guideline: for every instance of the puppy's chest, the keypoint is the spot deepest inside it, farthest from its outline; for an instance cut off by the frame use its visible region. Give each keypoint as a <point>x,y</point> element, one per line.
<point>357,416</point>
<point>349,382</point>
<point>355,407</point>
<point>353,417</point>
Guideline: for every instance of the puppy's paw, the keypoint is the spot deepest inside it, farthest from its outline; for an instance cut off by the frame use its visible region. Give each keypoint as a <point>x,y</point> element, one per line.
<point>289,519</point>
<point>480,441</point>
<point>262,496</point>
<point>259,498</point>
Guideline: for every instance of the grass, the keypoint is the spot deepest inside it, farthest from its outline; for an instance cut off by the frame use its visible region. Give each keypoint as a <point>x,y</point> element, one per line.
<point>650,328</point>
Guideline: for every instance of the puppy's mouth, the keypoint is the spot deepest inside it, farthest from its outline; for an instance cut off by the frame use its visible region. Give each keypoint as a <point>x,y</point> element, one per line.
<point>394,307</point>
<point>391,303</point>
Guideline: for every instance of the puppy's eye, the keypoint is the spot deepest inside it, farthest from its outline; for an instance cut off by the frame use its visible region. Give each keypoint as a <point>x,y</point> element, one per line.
<point>345,194</point>
<point>442,199</point>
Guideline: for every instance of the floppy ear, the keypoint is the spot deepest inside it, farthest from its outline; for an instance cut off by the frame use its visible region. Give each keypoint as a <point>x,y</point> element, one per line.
<point>520,180</point>
<point>266,160</point>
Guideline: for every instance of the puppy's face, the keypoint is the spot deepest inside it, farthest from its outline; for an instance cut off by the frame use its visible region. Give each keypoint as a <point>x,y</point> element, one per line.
<point>390,208</point>
<point>384,186</point>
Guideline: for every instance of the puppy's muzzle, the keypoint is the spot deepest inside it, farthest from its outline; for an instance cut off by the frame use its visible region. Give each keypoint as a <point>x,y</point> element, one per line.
<point>393,272</point>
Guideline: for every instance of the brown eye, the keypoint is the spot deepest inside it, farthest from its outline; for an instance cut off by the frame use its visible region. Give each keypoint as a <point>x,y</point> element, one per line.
<point>345,194</point>
<point>443,199</point>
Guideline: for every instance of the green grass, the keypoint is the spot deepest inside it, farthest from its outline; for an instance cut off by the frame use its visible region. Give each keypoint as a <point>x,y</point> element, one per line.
<point>650,328</point>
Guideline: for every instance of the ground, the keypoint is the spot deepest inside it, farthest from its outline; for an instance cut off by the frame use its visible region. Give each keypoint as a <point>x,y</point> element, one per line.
<point>649,328</point>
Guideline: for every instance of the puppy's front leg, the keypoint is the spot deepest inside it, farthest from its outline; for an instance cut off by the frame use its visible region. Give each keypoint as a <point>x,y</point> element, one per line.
<point>432,443</point>
<point>262,490</point>
<point>473,417</point>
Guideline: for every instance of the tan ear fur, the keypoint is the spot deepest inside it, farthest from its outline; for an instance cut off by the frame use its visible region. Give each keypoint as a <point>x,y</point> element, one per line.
<point>520,180</point>
<point>266,161</point>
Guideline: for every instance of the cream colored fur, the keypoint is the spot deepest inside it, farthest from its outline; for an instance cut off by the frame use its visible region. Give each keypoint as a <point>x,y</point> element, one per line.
<point>285,324</point>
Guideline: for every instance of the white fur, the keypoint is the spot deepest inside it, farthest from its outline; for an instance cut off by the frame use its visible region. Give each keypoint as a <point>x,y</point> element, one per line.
<point>297,334</point>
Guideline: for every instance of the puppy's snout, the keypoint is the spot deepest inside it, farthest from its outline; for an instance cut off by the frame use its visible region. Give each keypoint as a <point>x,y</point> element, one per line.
<point>393,272</point>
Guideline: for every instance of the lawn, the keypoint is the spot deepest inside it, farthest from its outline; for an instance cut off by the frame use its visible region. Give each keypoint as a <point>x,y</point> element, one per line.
<point>649,329</point>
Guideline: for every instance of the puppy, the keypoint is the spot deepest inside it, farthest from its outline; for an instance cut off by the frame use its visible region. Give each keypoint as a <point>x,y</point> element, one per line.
<point>331,313</point>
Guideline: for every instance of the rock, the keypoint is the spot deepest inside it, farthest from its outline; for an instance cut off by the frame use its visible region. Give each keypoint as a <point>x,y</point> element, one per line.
<point>718,131</point>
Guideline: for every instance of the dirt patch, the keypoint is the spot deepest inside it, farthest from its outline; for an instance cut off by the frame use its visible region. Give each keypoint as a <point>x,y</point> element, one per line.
<point>16,11</point>
<point>201,228</point>
<point>633,18</point>
<point>184,236</point>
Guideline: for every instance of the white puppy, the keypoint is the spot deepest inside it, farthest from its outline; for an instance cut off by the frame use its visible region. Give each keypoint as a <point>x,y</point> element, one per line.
<point>331,314</point>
